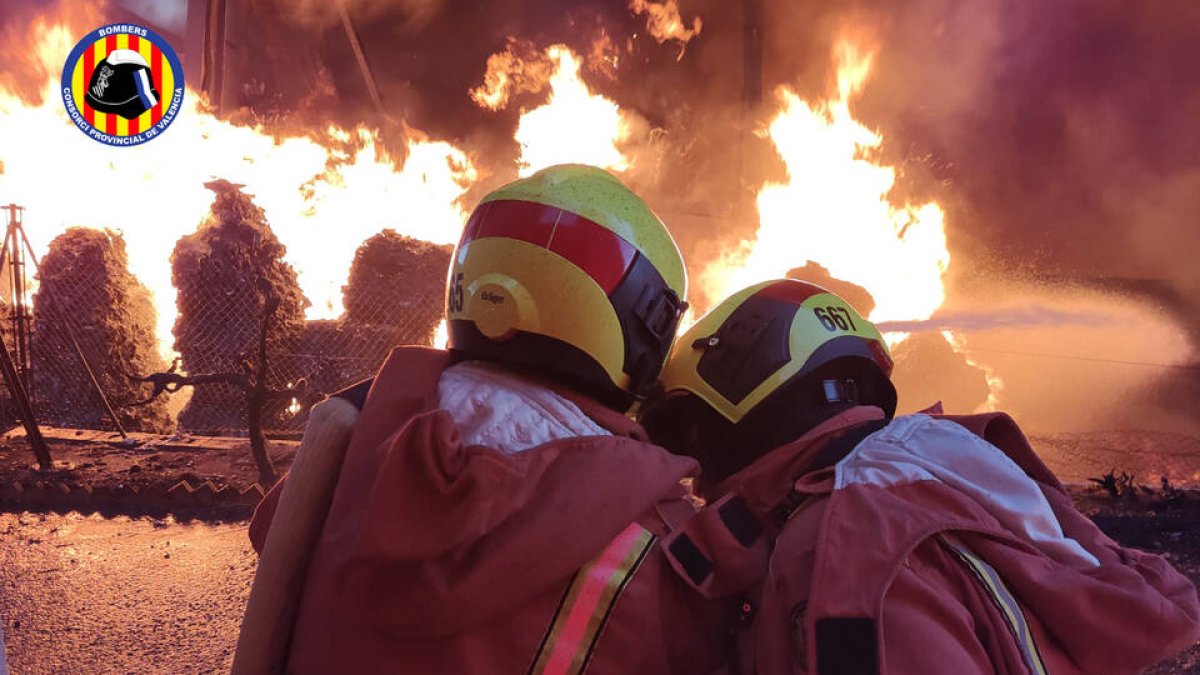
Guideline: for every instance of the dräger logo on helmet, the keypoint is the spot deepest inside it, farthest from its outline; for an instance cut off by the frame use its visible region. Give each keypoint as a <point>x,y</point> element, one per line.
<point>122,84</point>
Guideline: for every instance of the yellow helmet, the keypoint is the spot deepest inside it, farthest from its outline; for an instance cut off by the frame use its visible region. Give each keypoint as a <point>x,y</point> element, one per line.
<point>770,335</point>
<point>568,271</point>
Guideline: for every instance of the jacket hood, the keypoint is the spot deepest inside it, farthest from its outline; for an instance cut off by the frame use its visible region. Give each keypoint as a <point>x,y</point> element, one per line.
<point>459,534</point>
<point>723,550</point>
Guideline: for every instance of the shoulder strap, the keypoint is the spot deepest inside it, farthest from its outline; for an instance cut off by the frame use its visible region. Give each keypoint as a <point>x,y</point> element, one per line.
<point>830,454</point>
<point>356,393</point>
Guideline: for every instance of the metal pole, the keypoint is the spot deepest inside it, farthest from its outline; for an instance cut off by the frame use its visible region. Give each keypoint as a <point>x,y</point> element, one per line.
<point>20,231</point>
<point>32,432</point>
<point>360,57</point>
<point>21,313</point>
<point>212,69</point>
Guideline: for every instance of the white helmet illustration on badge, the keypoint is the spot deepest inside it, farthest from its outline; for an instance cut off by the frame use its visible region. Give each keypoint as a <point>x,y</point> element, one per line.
<point>122,84</point>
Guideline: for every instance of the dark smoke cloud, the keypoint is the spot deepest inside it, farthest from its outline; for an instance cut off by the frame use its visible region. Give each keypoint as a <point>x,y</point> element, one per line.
<point>1064,135</point>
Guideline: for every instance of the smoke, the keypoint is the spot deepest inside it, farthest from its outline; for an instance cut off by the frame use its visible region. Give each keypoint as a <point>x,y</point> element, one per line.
<point>1064,136</point>
<point>168,14</point>
<point>1060,138</point>
<point>1073,358</point>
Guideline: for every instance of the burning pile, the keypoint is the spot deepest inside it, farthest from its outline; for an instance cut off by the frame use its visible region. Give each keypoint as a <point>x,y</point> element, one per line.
<point>226,274</point>
<point>753,186</point>
<point>86,291</point>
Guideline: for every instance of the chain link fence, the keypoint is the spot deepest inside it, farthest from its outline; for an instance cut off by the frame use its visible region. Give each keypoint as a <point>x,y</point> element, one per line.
<point>92,330</point>
<point>241,319</point>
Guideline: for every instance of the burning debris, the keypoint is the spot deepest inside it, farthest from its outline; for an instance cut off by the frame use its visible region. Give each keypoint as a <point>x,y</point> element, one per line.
<point>783,138</point>
<point>87,293</point>
<point>227,273</point>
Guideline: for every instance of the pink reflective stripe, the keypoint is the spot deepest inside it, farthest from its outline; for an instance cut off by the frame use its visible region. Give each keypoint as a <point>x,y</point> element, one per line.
<point>591,596</point>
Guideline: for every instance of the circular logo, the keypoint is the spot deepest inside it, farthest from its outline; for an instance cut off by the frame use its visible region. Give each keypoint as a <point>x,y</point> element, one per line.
<point>122,84</point>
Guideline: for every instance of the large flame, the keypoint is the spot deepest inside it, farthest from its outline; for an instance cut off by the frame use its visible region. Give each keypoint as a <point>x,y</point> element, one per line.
<point>574,125</point>
<point>835,210</point>
<point>322,198</point>
<point>665,22</point>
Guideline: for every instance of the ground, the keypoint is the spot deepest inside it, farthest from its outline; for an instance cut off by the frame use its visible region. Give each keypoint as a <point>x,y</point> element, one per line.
<point>85,594</point>
<point>88,593</point>
<point>142,478</point>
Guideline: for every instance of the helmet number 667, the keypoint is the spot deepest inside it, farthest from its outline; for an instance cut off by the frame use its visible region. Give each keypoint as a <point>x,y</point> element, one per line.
<point>835,318</point>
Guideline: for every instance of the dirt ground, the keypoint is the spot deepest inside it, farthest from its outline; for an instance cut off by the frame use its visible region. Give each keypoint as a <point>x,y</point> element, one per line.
<point>118,478</point>
<point>88,593</point>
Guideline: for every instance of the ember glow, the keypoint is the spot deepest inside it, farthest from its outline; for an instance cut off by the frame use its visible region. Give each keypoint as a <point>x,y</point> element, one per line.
<point>834,208</point>
<point>323,193</point>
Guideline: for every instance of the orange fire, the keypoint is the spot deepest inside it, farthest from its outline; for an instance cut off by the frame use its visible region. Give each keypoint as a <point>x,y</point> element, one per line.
<point>665,22</point>
<point>834,208</point>
<point>573,125</point>
<point>322,197</point>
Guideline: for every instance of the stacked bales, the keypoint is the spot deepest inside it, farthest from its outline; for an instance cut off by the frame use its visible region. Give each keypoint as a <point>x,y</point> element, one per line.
<point>395,295</point>
<point>85,283</point>
<point>928,370</point>
<point>399,282</point>
<point>858,297</point>
<point>225,273</point>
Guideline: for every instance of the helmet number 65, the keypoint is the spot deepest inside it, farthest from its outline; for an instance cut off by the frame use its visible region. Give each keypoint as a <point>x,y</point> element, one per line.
<point>454,293</point>
<point>835,318</point>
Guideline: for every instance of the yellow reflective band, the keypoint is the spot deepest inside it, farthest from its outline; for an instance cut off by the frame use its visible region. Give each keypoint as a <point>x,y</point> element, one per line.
<point>1004,601</point>
<point>589,600</point>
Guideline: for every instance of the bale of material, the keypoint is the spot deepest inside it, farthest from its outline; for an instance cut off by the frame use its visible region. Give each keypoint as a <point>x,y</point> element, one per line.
<point>398,284</point>
<point>928,370</point>
<point>85,284</point>
<point>225,273</point>
<point>858,297</point>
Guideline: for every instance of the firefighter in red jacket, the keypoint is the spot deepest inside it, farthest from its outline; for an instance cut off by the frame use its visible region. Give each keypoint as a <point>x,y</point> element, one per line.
<point>865,544</point>
<point>497,511</point>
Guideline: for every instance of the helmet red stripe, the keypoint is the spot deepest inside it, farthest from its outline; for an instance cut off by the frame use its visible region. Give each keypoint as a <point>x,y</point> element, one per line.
<point>790,291</point>
<point>590,246</point>
<point>594,248</point>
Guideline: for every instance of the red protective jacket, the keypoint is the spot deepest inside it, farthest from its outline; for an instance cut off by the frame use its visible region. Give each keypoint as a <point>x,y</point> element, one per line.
<point>442,558</point>
<point>927,551</point>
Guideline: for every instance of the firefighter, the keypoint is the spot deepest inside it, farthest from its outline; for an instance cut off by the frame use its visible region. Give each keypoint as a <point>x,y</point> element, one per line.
<point>497,511</point>
<point>863,543</point>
